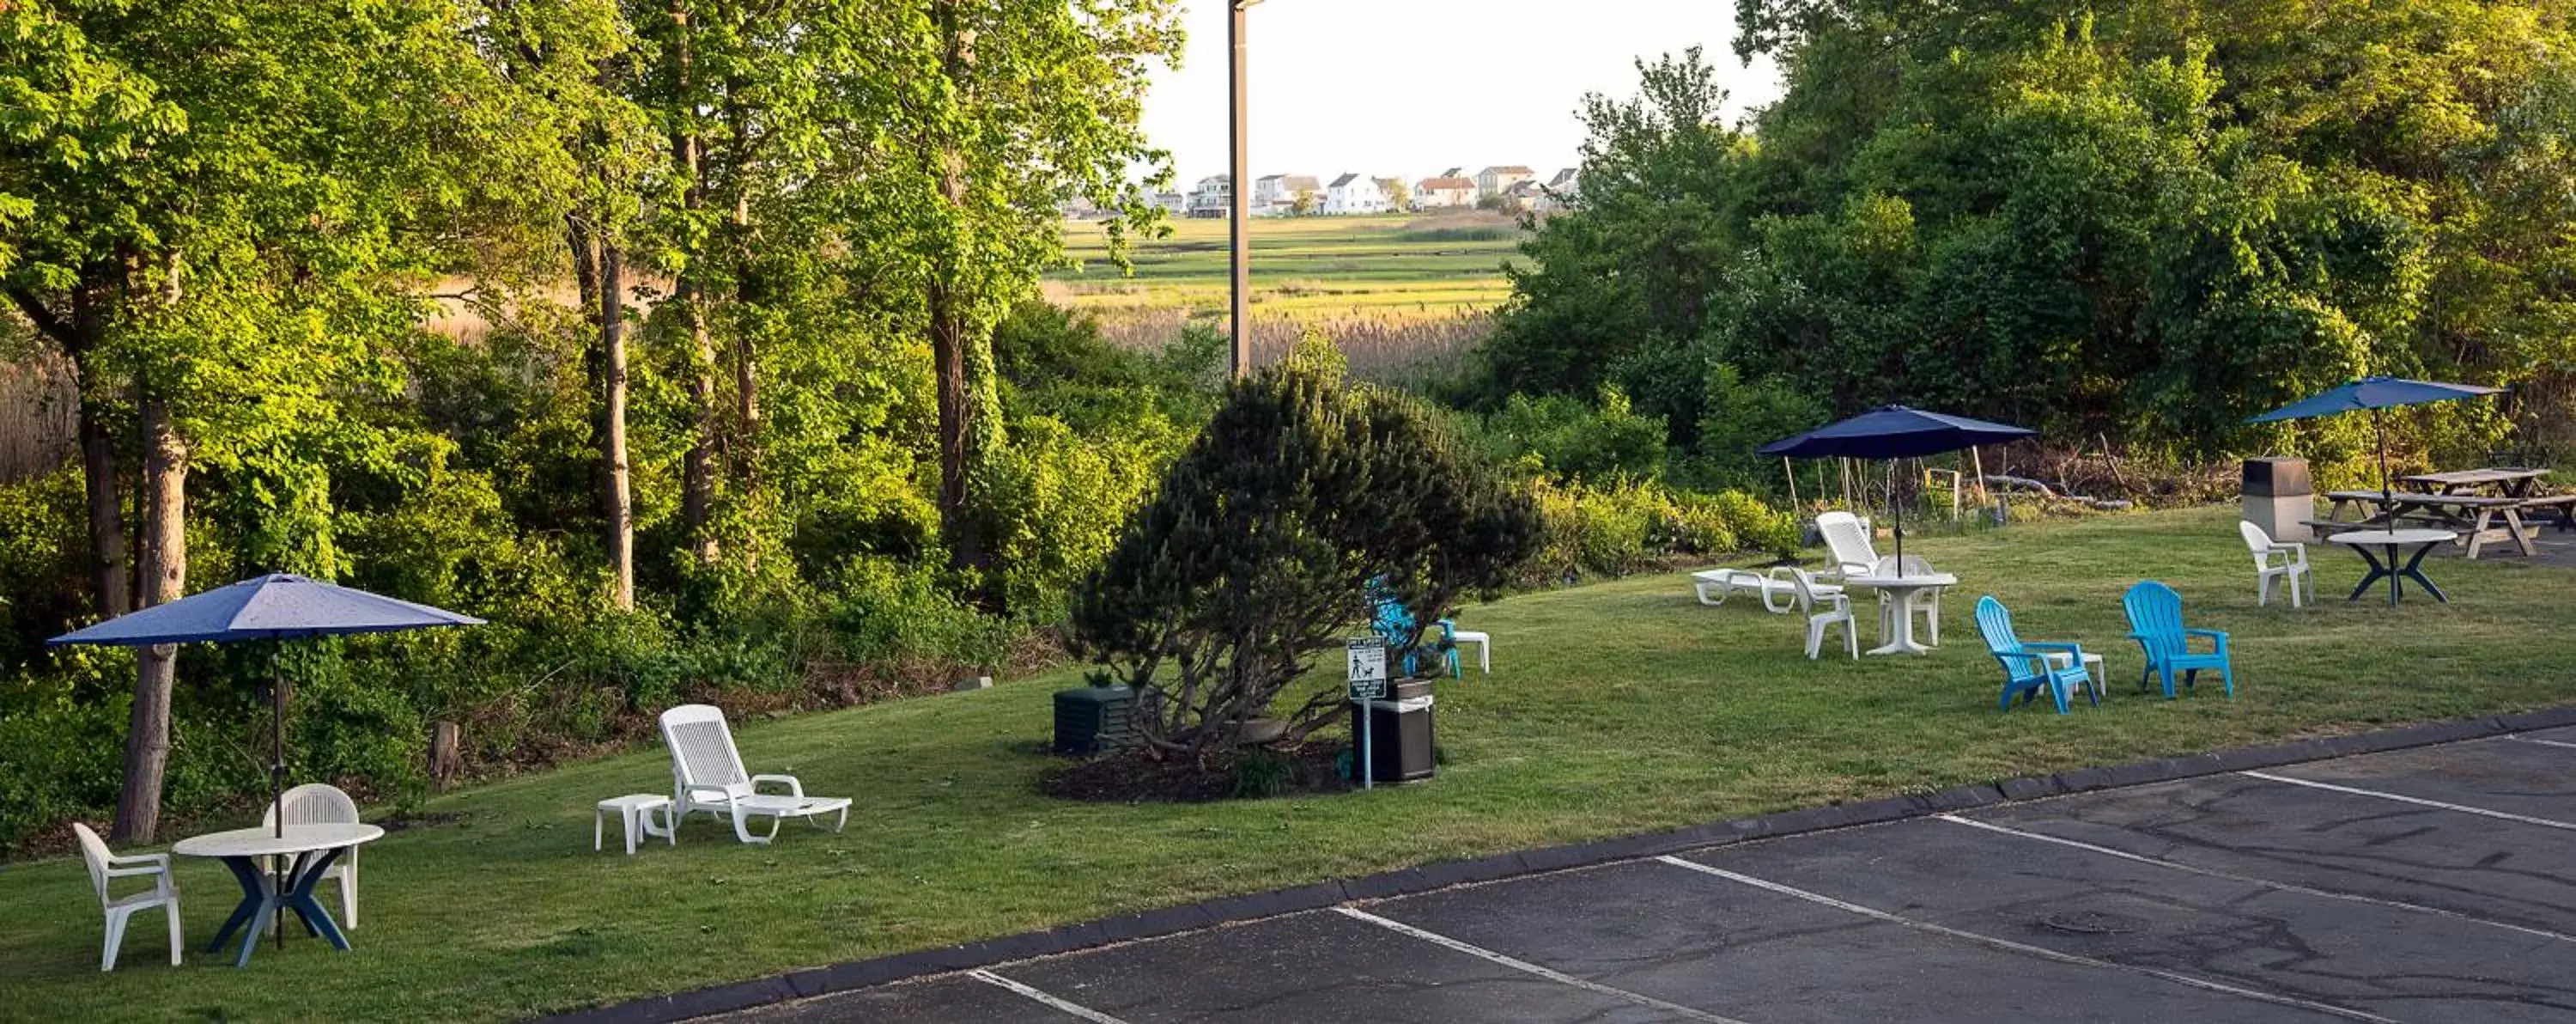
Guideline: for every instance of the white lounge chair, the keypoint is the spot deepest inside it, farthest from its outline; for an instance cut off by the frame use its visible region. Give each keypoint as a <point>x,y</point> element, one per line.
<point>1848,538</point>
<point>104,866</point>
<point>1714,586</point>
<point>2292,566</point>
<point>707,775</point>
<point>1837,609</point>
<point>314,803</point>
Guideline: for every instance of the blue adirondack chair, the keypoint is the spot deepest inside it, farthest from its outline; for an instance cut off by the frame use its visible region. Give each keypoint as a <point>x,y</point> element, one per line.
<point>2155,622</point>
<point>2028,670</point>
<point>1393,623</point>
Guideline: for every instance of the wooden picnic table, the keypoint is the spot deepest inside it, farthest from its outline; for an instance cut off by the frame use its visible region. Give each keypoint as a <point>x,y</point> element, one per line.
<point>2474,517</point>
<point>2508,482</point>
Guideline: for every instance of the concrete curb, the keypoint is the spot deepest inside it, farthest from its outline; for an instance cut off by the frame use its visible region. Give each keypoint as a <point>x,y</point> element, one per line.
<point>817,981</point>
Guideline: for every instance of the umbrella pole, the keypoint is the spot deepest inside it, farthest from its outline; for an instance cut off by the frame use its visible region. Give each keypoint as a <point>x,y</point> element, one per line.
<point>277,772</point>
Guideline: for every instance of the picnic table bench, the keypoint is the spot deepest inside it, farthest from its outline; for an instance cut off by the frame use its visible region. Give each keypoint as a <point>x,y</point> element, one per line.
<point>2474,517</point>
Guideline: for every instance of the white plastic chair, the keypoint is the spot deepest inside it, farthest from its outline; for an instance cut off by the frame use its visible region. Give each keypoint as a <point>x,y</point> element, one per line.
<point>1837,609</point>
<point>315,803</point>
<point>104,866</point>
<point>1927,600</point>
<point>707,776</point>
<point>2292,567</point>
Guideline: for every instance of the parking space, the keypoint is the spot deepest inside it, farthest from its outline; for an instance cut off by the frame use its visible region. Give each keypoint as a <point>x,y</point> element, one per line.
<point>2434,884</point>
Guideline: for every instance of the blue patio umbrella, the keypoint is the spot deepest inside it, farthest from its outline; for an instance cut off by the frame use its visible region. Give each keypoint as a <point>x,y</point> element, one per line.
<point>2374,394</point>
<point>1894,432</point>
<point>280,606</point>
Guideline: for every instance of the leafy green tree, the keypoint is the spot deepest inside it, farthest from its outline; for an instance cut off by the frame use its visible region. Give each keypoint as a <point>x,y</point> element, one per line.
<point>1225,586</point>
<point>2149,218</point>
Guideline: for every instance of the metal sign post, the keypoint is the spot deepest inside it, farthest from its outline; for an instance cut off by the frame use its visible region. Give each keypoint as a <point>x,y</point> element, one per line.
<point>1368,683</point>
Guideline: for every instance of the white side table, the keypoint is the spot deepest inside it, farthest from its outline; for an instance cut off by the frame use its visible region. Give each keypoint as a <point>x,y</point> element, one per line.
<point>2092,668</point>
<point>637,812</point>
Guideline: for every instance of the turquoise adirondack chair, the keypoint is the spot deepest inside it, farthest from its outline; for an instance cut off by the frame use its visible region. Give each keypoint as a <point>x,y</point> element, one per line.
<point>2155,622</point>
<point>1393,623</point>
<point>2028,669</point>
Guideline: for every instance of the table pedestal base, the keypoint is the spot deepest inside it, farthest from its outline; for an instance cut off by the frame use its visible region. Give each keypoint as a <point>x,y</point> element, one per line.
<point>261,902</point>
<point>2392,572</point>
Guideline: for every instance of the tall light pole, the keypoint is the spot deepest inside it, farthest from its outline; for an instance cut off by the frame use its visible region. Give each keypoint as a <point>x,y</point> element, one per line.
<point>1239,183</point>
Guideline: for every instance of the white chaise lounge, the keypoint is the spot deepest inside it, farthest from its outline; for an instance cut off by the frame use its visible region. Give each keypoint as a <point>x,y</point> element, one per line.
<point>707,776</point>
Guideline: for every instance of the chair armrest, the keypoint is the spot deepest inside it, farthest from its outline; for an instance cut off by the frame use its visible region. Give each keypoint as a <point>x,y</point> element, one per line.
<point>2050,645</point>
<point>156,869</point>
<point>794,788</point>
<point>162,859</point>
<point>2217,638</point>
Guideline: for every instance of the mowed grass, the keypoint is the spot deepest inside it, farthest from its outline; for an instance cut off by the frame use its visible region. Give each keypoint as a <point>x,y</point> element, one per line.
<point>1615,708</point>
<point>1303,265</point>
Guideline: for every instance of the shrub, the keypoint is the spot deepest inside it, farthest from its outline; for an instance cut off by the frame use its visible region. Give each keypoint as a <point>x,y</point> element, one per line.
<point>1632,526</point>
<point>1223,589</point>
<point>1575,440</point>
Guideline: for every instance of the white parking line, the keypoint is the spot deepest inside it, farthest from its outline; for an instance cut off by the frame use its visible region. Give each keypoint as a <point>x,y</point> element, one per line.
<point>2251,880</point>
<point>2023,948</point>
<point>1076,1009</point>
<point>1527,967</point>
<point>2416,800</point>
<point>2542,742</point>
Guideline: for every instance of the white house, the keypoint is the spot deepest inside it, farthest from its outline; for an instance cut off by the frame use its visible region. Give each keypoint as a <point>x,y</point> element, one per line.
<point>1444,193</point>
<point>1397,195</point>
<point>1354,193</point>
<point>1173,203</point>
<point>1560,191</point>
<point>1524,195</point>
<point>1276,194</point>
<point>1211,196</point>
<point>1495,181</point>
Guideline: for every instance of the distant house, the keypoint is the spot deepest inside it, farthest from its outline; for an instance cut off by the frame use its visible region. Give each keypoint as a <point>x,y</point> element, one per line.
<point>1397,195</point>
<point>1211,196</point>
<point>1495,181</point>
<point>1173,203</point>
<point>1444,192</point>
<point>1560,191</point>
<point>1354,193</point>
<point>1454,172</point>
<point>1276,194</point>
<point>1525,194</point>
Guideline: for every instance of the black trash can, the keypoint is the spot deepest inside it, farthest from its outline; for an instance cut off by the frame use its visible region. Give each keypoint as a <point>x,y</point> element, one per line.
<point>1400,738</point>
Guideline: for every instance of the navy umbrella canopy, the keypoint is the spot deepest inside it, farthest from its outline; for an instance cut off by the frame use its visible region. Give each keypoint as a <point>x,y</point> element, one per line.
<point>1894,432</point>
<point>280,606</point>
<point>2374,394</point>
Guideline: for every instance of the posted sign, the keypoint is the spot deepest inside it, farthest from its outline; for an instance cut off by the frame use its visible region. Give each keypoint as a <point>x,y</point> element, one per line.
<point>1368,669</point>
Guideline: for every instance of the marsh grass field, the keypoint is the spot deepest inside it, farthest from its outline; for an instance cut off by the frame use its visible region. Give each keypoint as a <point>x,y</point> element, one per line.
<point>1396,291</point>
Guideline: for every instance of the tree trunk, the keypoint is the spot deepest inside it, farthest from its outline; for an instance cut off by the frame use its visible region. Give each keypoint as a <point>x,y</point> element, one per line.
<point>109,595</point>
<point>165,576</point>
<point>950,334</point>
<point>620,510</point>
<point>698,468</point>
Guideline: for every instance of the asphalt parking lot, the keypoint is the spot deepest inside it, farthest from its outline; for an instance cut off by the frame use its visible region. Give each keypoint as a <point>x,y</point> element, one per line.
<point>2429,884</point>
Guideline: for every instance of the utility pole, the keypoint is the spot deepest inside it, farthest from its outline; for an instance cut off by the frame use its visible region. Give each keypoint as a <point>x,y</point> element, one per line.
<point>1239,187</point>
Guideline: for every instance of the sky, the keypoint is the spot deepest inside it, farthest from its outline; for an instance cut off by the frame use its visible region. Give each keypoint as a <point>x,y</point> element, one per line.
<point>1408,88</point>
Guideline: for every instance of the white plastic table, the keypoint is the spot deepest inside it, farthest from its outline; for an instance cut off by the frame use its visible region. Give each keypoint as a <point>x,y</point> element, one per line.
<point>2365,542</point>
<point>1896,624</point>
<point>313,847</point>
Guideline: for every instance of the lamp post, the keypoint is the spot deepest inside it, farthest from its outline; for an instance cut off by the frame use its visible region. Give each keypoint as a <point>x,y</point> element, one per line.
<point>1238,184</point>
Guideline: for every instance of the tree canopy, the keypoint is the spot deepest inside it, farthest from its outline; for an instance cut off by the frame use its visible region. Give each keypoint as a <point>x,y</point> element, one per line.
<point>2148,219</point>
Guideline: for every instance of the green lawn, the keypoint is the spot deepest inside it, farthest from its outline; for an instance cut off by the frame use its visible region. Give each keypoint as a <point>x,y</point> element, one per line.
<point>1616,708</point>
<point>1302,266</point>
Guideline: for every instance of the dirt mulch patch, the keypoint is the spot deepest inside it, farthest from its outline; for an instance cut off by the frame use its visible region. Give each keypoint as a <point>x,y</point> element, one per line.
<point>1131,776</point>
